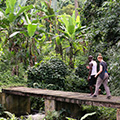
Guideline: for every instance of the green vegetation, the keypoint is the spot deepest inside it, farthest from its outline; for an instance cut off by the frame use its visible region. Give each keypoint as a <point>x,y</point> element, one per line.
<point>51,73</point>
<point>45,44</point>
<point>8,75</point>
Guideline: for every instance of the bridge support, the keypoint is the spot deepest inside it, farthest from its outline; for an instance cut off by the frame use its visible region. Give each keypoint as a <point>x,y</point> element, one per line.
<point>16,104</point>
<point>72,110</point>
<point>49,106</point>
<point>118,114</point>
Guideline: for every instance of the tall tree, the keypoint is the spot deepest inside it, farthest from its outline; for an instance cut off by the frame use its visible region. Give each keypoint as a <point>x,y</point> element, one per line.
<point>76,7</point>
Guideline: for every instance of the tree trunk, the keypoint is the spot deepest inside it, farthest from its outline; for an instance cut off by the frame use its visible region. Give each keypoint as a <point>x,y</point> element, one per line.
<point>58,49</point>
<point>76,7</point>
<point>71,63</point>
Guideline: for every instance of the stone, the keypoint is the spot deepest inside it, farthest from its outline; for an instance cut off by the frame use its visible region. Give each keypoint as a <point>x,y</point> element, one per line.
<point>49,105</point>
<point>38,116</point>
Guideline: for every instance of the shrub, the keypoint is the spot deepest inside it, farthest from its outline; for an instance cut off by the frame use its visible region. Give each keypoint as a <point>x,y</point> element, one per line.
<point>6,77</point>
<point>102,113</point>
<point>76,84</point>
<point>114,69</point>
<point>51,72</point>
<point>37,104</point>
<point>81,71</point>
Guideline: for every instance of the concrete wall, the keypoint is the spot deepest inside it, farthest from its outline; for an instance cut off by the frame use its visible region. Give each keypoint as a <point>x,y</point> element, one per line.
<point>16,104</point>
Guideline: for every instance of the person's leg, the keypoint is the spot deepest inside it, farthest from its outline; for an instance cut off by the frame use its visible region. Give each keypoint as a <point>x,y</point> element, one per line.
<point>90,86</point>
<point>95,79</point>
<point>98,84</point>
<point>105,83</point>
<point>91,90</point>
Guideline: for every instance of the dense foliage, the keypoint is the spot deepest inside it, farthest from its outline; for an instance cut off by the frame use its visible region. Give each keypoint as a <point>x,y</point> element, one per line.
<point>8,75</point>
<point>35,33</point>
<point>76,84</point>
<point>81,70</point>
<point>52,73</point>
<point>114,63</point>
<point>106,25</point>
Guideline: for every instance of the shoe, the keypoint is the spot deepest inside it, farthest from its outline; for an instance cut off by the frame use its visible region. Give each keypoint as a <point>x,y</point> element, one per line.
<point>108,97</point>
<point>91,94</point>
<point>94,96</point>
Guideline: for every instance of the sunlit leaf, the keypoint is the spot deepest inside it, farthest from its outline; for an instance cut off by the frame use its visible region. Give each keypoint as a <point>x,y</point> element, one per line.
<point>31,29</point>
<point>65,20</point>
<point>10,6</point>
<point>13,34</point>
<point>88,114</point>
<point>71,29</point>
<point>11,17</point>
<point>27,18</point>
<point>23,9</point>
<point>57,39</point>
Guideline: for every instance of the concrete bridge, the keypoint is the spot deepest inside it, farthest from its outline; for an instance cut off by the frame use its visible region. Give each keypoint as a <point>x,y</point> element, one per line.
<point>17,100</point>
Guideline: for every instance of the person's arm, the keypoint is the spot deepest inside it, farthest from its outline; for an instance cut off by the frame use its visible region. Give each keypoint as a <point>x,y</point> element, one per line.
<point>101,69</point>
<point>87,67</point>
<point>90,70</point>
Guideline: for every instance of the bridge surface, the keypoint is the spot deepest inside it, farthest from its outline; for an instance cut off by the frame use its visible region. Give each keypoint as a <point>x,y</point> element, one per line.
<point>64,96</point>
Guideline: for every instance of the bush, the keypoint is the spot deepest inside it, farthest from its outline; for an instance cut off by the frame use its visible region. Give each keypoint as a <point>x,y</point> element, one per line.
<point>37,104</point>
<point>102,113</point>
<point>82,71</point>
<point>114,69</point>
<point>51,72</point>
<point>6,77</point>
<point>75,84</point>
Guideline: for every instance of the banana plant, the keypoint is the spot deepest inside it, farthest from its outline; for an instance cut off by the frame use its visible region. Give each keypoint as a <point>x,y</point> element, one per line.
<point>9,25</point>
<point>12,12</point>
<point>72,29</point>
<point>10,17</point>
<point>50,21</point>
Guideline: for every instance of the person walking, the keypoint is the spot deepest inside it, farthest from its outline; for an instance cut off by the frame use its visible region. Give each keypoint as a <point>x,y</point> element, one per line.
<point>92,72</point>
<point>102,78</point>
